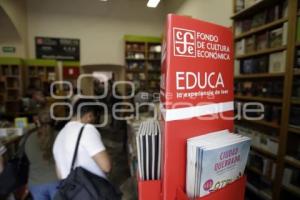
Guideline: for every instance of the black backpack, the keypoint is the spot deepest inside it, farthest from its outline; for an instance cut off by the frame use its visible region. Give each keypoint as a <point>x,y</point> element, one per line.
<point>82,184</point>
<point>16,171</point>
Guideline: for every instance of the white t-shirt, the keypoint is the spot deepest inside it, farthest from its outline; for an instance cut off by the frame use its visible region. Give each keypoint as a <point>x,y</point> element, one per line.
<point>90,144</point>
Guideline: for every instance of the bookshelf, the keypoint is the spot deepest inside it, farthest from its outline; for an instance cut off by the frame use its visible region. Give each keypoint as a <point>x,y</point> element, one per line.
<point>287,18</point>
<point>268,26</point>
<point>259,76</point>
<point>258,98</point>
<point>262,52</point>
<point>142,62</point>
<point>39,74</point>
<point>10,84</point>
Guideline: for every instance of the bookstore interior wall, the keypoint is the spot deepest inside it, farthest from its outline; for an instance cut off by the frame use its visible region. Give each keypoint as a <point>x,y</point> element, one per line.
<point>15,15</point>
<point>100,26</point>
<point>9,36</point>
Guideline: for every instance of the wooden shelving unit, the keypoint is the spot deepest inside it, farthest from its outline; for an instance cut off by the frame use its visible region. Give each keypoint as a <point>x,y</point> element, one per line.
<point>261,28</point>
<point>264,152</point>
<point>258,172</point>
<point>11,84</point>
<point>292,189</point>
<point>260,99</point>
<point>39,74</point>
<point>259,76</point>
<point>294,130</point>
<point>263,52</point>
<point>286,102</point>
<point>258,5</point>
<point>296,101</point>
<point>262,123</point>
<point>291,161</point>
<point>142,61</point>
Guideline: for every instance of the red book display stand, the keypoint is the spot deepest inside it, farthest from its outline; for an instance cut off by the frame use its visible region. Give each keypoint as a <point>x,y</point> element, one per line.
<point>235,190</point>
<point>196,99</point>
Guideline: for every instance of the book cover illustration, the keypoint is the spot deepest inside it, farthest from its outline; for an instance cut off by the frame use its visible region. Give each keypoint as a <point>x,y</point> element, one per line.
<point>223,165</point>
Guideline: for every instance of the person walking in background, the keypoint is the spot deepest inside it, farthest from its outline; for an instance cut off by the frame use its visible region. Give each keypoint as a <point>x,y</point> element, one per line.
<point>42,176</point>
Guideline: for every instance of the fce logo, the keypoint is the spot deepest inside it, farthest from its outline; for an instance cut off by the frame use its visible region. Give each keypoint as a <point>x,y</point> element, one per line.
<point>184,42</point>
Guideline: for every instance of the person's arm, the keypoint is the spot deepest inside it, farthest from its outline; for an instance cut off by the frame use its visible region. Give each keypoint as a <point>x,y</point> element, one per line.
<point>92,142</point>
<point>103,161</point>
<point>58,174</point>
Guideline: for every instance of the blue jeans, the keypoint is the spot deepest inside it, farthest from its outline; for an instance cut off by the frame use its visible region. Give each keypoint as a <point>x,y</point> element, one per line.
<point>44,191</point>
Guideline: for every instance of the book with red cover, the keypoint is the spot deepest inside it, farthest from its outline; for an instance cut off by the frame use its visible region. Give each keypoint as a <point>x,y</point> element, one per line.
<point>196,91</point>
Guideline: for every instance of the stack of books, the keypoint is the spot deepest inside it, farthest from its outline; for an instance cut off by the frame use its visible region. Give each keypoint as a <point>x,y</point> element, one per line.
<point>148,142</point>
<point>214,160</point>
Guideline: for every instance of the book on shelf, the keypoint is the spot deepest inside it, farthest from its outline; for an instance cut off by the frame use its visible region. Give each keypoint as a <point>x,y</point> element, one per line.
<point>296,88</point>
<point>240,47</point>
<point>294,116</point>
<point>238,28</point>
<point>265,141</point>
<point>285,34</point>
<point>237,66</point>
<point>262,41</point>
<point>266,166</point>
<point>291,178</point>
<point>273,13</point>
<point>276,37</point>
<point>135,47</point>
<point>135,55</point>
<point>262,63</point>
<point>259,19</point>
<point>250,44</point>
<point>277,62</point>
<point>297,58</point>
<point>135,65</point>
<point>155,48</point>
<point>246,25</point>
<point>51,76</point>
<point>239,5</point>
<point>285,8</point>
<point>249,3</point>
<point>142,76</point>
<point>214,158</point>
<point>247,66</point>
<point>129,76</point>
<point>255,65</point>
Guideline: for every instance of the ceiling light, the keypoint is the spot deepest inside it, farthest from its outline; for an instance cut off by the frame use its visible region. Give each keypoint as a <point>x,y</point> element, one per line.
<point>153,3</point>
<point>103,0</point>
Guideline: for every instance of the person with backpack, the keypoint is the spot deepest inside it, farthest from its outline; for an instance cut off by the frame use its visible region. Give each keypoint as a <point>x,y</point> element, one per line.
<point>78,147</point>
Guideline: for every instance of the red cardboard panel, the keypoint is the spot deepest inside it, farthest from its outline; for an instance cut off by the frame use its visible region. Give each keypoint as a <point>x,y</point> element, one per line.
<point>149,190</point>
<point>196,91</point>
<point>197,63</point>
